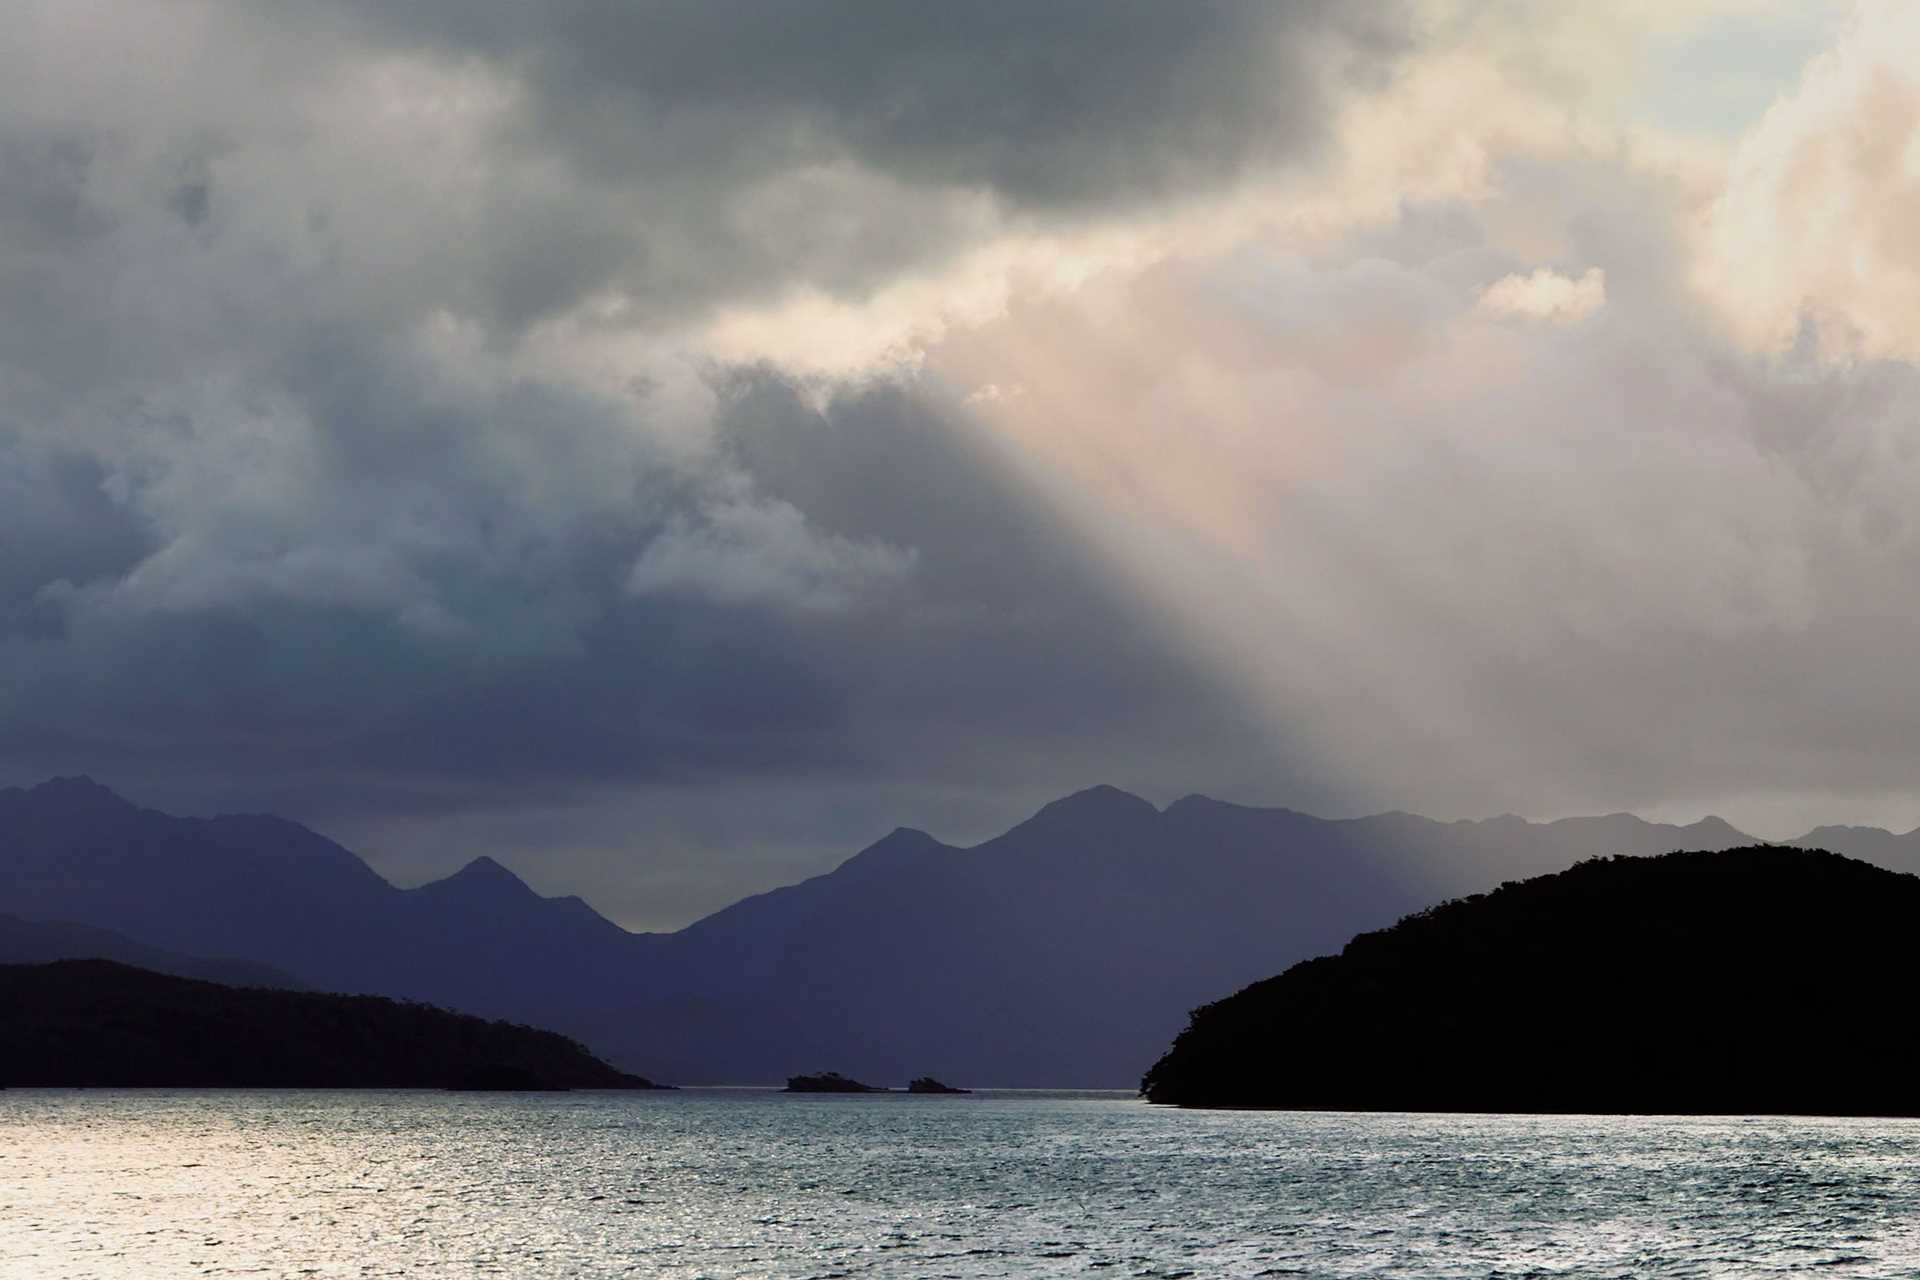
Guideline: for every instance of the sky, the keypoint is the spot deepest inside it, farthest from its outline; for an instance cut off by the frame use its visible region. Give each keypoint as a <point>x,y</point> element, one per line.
<point>666,445</point>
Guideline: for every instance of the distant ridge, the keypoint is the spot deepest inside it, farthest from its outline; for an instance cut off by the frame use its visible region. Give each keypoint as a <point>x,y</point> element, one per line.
<point>272,891</point>
<point>1066,951</point>
<point>1743,981</point>
<point>40,942</point>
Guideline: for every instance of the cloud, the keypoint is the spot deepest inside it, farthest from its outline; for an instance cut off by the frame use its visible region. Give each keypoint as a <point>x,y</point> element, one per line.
<point>443,302</point>
<point>835,412</point>
<point>1547,567</point>
<point>1546,295</point>
<point>745,550</point>
<point>1086,101</point>
<point>378,384</point>
<point>1814,230</point>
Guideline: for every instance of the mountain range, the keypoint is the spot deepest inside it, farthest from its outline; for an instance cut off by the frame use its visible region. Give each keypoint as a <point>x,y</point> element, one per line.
<point>1065,952</point>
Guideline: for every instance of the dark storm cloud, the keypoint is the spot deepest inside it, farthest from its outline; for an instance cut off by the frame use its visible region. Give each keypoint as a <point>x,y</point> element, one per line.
<point>367,452</point>
<point>1006,657</point>
<point>58,525</point>
<point>1049,104</point>
<point>1004,636</point>
<point>687,153</point>
<point>42,202</point>
<point>346,448</point>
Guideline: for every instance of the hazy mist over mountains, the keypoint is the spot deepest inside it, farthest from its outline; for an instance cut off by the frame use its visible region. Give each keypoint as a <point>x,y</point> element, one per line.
<point>1065,952</point>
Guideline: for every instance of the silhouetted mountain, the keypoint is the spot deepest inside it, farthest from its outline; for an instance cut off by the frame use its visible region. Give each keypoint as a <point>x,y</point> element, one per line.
<point>1065,952</point>
<point>274,892</point>
<point>97,1023</point>
<point>41,941</point>
<point>1761,979</point>
<point>1869,844</point>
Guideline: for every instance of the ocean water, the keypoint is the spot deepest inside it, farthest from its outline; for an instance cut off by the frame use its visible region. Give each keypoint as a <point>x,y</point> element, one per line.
<point>725,1183</point>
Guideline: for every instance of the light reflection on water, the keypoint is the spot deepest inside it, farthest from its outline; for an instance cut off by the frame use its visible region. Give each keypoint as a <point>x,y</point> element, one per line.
<point>727,1183</point>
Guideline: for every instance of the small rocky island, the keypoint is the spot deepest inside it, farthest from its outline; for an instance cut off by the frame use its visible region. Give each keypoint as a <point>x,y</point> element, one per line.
<point>96,1023</point>
<point>829,1082</point>
<point>1751,981</point>
<point>927,1084</point>
<point>834,1082</point>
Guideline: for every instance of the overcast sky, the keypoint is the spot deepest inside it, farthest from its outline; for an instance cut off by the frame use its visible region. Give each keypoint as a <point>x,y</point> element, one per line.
<point>665,445</point>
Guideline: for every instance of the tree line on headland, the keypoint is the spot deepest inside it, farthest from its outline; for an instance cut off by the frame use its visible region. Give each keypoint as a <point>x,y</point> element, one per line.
<point>1752,980</point>
<point>96,1023</point>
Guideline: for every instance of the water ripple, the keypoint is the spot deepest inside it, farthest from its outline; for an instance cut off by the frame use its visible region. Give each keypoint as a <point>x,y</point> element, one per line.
<point>729,1183</point>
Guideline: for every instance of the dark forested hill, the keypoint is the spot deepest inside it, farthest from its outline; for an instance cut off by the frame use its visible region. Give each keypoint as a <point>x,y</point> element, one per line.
<point>97,1023</point>
<point>1762,979</point>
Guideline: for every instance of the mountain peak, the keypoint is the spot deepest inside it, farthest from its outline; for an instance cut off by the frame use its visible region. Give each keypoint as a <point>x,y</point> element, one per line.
<point>1197,808</point>
<point>899,846</point>
<point>484,876</point>
<point>1099,803</point>
<point>1194,800</point>
<point>76,793</point>
<point>904,840</point>
<point>1848,833</point>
